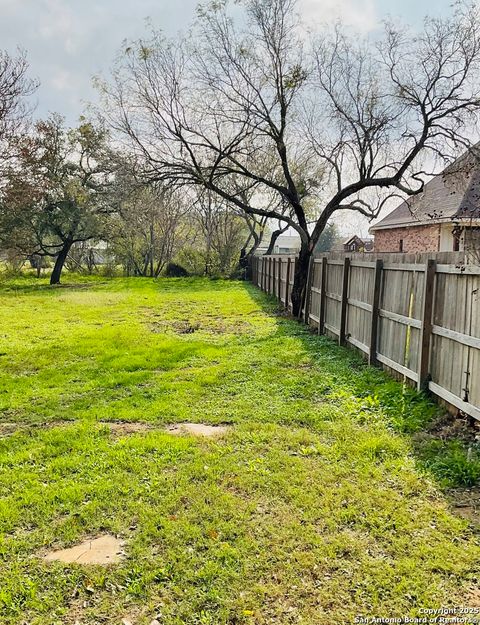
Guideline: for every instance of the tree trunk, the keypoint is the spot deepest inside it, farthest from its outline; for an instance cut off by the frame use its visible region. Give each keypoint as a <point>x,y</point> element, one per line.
<point>273,240</point>
<point>244,264</point>
<point>300,280</point>
<point>59,262</point>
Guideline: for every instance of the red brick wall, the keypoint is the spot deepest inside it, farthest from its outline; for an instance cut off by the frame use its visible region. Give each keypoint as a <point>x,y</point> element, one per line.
<point>415,239</point>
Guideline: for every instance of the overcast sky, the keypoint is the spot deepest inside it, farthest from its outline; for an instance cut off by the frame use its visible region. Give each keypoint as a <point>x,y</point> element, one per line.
<point>69,41</point>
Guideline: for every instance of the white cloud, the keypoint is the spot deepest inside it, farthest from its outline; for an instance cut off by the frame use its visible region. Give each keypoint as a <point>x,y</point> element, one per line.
<point>68,41</point>
<point>61,80</point>
<point>59,23</point>
<point>360,14</point>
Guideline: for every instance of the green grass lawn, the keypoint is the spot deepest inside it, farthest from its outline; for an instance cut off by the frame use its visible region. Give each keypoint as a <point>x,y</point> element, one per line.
<point>314,508</point>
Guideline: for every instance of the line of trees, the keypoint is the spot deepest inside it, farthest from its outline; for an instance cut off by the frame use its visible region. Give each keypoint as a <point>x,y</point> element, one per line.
<point>65,191</point>
<point>244,126</point>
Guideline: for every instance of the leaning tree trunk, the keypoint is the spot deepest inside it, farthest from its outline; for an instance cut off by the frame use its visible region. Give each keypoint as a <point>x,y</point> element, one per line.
<point>273,240</point>
<point>60,262</point>
<point>300,280</point>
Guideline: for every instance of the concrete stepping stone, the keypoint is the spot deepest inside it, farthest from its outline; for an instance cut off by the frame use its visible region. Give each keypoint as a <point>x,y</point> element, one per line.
<point>198,429</point>
<point>106,549</point>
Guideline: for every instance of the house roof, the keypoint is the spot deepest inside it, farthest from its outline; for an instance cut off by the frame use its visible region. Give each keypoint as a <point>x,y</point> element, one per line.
<point>355,237</point>
<point>449,196</point>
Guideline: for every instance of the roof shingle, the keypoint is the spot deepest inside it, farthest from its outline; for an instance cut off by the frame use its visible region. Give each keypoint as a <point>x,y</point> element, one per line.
<point>452,194</point>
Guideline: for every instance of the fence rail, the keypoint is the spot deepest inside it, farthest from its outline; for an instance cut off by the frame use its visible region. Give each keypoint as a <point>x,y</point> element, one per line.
<point>417,316</point>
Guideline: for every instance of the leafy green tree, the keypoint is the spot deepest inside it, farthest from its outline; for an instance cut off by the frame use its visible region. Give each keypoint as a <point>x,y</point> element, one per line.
<point>328,238</point>
<point>58,191</point>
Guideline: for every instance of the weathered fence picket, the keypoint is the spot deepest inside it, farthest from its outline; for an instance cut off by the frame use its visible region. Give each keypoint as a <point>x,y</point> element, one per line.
<point>418,316</point>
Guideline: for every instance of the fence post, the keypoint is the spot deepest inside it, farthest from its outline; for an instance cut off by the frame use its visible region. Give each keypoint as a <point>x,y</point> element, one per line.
<point>277,276</point>
<point>287,283</point>
<point>426,329</point>
<point>343,310</point>
<point>377,285</point>
<point>323,297</point>
<point>292,273</point>
<point>277,272</point>
<point>308,291</point>
<point>270,275</point>
<point>274,274</point>
<point>280,279</point>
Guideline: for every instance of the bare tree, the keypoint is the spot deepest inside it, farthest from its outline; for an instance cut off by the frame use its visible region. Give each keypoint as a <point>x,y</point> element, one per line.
<point>15,87</point>
<point>340,125</point>
<point>256,231</point>
<point>218,234</point>
<point>146,230</point>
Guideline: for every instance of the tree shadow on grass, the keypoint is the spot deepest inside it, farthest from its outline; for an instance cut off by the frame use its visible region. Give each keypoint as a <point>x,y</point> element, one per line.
<point>444,446</point>
<point>25,284</point>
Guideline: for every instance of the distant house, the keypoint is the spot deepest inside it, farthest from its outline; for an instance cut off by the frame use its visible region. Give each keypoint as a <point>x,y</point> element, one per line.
<point>357,244</point>
<point>290,244</point>
<point>444,217</point>
<point>287,244</point>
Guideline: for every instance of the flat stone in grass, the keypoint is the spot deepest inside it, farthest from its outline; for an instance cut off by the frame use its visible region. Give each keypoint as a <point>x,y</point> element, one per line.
<point>106,549</point>
<point>198,429</point>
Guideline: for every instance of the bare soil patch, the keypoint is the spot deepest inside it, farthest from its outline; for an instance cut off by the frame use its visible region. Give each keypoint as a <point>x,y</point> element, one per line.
<point>466,502</point>
<point>449,426</point>
<point>124,428</point>
<point>7,429</point>
<point>210,324</point>
<point>198,429</point>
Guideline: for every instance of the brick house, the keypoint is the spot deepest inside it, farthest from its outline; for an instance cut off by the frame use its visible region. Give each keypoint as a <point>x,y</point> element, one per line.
<point>444,217</point>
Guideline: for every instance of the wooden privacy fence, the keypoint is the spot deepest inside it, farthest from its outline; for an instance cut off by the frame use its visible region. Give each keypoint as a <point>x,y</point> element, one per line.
<point>421,318</point>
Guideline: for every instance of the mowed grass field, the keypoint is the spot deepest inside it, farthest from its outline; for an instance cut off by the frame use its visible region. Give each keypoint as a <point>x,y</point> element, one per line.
<point>312,509</point>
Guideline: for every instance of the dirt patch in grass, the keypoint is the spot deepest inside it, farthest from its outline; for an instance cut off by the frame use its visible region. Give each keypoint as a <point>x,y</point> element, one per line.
<point>211,325</point>
<point>117,428</point>
<point>198,429</point>
<point>125,428</point>
<point>450,448</point>
<point>448,426</point>
<point>7,429</point>
<point>473,598</point>
<point>105,549</point>
<point>466,502</point>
